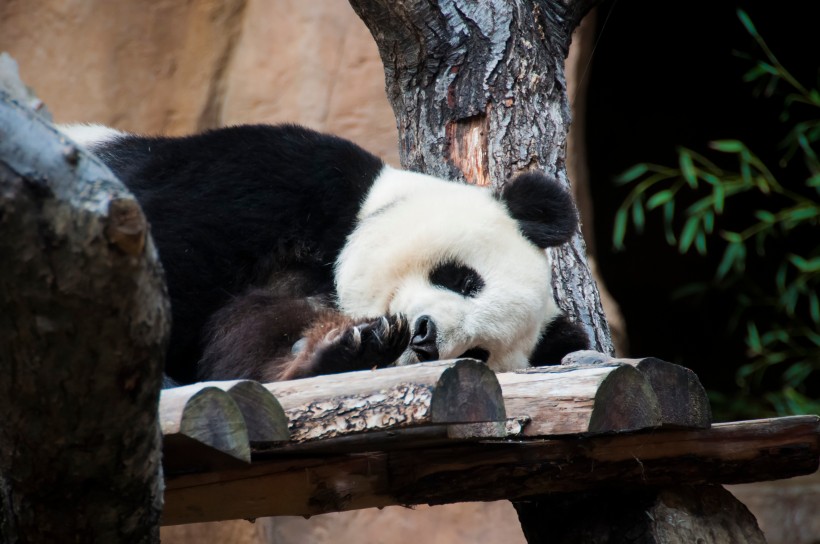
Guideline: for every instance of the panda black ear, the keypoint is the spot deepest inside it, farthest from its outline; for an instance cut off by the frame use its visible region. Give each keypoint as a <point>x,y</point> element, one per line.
<point>543,208</point>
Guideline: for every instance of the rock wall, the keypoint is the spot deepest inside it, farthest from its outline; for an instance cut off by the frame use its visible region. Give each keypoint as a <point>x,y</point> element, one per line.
<point>177,67</point>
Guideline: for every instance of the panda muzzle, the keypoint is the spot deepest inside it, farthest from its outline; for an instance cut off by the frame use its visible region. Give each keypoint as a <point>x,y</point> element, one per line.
<point>423,341</point>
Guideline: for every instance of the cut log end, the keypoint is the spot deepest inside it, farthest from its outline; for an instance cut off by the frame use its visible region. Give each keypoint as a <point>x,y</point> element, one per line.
<point>264,417</point>
<point>467,392</point>
<point>127,227</point>
<point>624,401</point>
<point>206,426</point>
<point>683,400</point>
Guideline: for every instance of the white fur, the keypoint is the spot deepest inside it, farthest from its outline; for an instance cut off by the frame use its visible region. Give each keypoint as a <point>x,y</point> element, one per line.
<point>410,222</point>
<point>90,135</point>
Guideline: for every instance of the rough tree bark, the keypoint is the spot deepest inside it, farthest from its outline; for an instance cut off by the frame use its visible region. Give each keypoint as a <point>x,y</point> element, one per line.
<point>83,326</point>
<point>479,94</point>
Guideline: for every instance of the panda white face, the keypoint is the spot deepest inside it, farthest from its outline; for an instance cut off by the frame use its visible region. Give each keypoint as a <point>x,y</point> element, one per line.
<point>453,260</point>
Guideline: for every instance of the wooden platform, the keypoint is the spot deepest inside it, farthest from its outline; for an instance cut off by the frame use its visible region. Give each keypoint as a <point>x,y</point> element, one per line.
<point>453,431</point>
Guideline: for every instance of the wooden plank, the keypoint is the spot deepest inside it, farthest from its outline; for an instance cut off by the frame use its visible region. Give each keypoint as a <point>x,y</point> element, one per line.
<point>577,399</point>
<point>453,393</point>
<point>493,470</point>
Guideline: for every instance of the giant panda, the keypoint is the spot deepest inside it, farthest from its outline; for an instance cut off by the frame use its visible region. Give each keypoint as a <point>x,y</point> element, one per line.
<point>290,253</point>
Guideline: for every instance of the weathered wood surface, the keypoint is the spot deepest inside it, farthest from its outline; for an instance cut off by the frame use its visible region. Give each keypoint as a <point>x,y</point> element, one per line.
<point>705,514</point>
<point>560,400</point>
<point>450,393</point>
<point>84,320</point>
<point>493,470</point>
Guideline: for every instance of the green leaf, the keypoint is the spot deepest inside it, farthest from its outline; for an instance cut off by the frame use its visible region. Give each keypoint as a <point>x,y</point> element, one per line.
<point>690,229</point>
<point>719,194</point>
<point>631,174</point>
<point>789,299</point>
<point>735,253</point>
<point>746,174</point>
<point>711,178</point>
<point>805,265</point>
<point>780,277</point>
<point>814,307</point>
<point>759,69</point>
<point>765,216</point>
<point>668,216</point>
<point>699,206</point>
<point>700,242</point>
<point>709,222</point>
<point>747,22</point>
<point>813,181</point>
<point>659,198</point>
<point>744,371</point>
<point>753,337</point>
<point>813,336</point>
<point>620,229</point>
<point>638,217</point>
<point>733,237</point>
<point>727,146</point>
<point>687,168</point>
<point>808,212</point>
<point>797,373</point>
<point>669,211</point>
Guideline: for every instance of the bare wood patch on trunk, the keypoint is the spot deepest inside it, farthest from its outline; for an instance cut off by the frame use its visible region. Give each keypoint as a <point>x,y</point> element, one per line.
<point>467,141</point>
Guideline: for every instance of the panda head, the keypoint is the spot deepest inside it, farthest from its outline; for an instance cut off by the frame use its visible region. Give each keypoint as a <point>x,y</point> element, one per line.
<point>464,265</point>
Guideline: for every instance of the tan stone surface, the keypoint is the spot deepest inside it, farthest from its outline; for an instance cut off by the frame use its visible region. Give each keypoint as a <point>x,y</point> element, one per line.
<point>788,511</point>
<point>318,66</point>
<point>494,523</point>
<point>178,67</point>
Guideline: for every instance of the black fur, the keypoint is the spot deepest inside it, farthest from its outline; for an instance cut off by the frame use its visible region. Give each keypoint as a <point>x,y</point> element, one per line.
<point>241,207</point>
<point>368,345</point>
<point>543,208</point>
<point>562,336</point>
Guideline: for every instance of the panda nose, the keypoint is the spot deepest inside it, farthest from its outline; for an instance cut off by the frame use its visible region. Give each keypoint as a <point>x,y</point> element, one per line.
<point>423,342</point>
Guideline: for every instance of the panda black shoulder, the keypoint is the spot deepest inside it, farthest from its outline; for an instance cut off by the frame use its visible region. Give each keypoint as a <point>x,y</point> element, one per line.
<point>237,208</point>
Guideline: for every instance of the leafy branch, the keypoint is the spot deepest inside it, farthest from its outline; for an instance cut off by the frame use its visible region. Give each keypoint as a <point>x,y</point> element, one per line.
<point>789,340</point>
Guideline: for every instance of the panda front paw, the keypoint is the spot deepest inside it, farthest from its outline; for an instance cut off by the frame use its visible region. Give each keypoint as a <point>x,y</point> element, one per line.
<point>371,344</point>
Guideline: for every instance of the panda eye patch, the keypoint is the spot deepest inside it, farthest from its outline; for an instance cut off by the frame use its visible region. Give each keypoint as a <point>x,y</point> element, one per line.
<point>457,277</point>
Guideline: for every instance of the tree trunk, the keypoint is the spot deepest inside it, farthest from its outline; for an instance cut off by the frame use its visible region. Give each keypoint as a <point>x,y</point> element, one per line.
<point>83,326</point>
<point>479,94</point>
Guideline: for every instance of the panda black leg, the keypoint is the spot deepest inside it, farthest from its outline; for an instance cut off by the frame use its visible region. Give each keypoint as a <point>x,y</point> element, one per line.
<point>562,336</point>
<point>376,343</point>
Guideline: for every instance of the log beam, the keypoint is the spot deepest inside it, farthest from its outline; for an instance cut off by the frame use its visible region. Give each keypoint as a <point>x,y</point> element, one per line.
<point>493,470</point>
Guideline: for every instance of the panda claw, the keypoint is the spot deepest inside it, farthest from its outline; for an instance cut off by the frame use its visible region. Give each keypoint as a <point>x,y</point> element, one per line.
<point>373,344</point>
